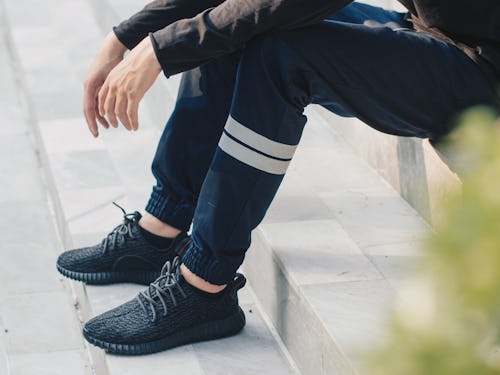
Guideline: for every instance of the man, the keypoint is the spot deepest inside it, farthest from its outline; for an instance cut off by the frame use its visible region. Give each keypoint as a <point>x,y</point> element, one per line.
<point>250,69</point>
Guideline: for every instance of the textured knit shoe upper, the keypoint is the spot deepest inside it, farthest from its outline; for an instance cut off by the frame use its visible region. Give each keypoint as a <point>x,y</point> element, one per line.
<point>169,313</point>
<point>123,252</point>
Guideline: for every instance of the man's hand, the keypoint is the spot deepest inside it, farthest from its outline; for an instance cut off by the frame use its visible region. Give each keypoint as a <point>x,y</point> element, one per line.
<point>107,58</point>
<point>126,85</point>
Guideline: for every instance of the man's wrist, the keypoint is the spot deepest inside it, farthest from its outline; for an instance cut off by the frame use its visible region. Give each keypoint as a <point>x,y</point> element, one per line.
<point>152,57</point>
<point>115,45</point>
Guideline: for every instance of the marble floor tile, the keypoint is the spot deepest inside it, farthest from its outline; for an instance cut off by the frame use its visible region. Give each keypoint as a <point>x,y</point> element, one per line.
<point>397,262</point>
<point>19,178</point>
<point>51,80</point>
<point>318,251</point>
<point>328,168</point>
<point>4,363</point>
<point>81,202</point>
<point>375,216</point>
<point>26,222</point>
<point>83,169</point>
<point>36,56</point>
<point>33,35</point>
<point>101,220</point>
<point>58,106</point>
<point>39,323</point>
<point>105,217</point>
<point>296,201</point>
<point>12,120</point>
<point>54,363</point>
<point>181,360</point>
<point>354,313</point>
<point>253,351</point>
<point>68,135</point>
<point>28,268</point>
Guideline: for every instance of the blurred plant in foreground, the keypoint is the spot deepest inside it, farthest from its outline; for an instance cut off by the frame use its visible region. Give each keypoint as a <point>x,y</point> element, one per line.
<point>449,322</point>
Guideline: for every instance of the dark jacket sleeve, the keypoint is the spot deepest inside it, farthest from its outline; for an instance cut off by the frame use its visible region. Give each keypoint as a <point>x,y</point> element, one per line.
<point>156,15</point>
<point>190,42</point>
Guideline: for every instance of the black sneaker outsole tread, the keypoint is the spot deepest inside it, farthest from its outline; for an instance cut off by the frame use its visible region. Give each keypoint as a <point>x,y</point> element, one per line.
<point>206,331</point>
<point>103,278</point>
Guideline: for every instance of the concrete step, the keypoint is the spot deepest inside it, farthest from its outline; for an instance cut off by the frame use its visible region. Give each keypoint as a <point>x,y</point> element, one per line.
<point>85,175</point>
<point>422,173</point>
<point>39,329</point>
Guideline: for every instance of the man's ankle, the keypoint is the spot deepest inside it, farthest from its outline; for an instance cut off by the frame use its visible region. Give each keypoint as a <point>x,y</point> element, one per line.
<point>199,283</point>
<point>158,227</point>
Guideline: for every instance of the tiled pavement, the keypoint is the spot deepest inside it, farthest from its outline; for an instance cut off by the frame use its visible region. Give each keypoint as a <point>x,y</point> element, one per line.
<point>39,331</point>
<point>326,264</point>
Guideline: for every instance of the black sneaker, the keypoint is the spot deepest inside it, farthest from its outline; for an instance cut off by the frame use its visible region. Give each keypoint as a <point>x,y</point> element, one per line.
<point>169,313</point>
<point>123,256</point>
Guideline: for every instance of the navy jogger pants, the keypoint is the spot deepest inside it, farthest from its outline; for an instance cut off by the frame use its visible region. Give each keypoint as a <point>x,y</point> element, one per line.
<point>239,118</point>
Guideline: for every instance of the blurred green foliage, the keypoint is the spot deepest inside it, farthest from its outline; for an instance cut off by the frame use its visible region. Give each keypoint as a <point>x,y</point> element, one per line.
<point>449,322</point>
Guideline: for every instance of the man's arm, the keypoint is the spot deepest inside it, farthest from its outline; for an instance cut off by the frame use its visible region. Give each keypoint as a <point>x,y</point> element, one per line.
<point>129,34</point>
<point>156,15</point>
<point>190,42</point>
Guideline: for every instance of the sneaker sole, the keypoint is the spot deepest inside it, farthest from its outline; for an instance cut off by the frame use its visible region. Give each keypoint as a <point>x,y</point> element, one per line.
<point>102,278</point>
<point>207,331</point>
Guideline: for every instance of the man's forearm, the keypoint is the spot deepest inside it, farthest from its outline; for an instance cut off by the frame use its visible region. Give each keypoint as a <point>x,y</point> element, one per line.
<point>188,43</point>
<point>156,15</point>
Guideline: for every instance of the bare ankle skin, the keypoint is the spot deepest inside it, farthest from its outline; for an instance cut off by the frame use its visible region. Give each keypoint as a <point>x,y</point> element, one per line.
<point>158,227</point>
<point>198,282</point>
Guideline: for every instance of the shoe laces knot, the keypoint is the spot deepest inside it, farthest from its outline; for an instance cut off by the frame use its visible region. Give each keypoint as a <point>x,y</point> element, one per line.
<point>163,288</point>
<point>122,231</point>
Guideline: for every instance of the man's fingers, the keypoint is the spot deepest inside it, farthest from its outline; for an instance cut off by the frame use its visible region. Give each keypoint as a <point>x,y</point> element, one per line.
<point>91,123</point>
<point>132,113</point>
<point>109,109</point>
<point>101,119</point>
<point>89,113</point>
<point>121,110</point>
<point>101,99</point>
<point>95,103</point>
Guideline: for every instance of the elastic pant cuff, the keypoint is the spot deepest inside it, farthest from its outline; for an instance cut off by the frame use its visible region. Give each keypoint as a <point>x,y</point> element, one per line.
<point>204,265</point>
<point>173,212</point>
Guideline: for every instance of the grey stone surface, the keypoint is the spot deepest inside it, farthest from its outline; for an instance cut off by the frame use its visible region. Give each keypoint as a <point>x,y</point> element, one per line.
<point>177,361</point>
<point>53,363</point>
<point>39,332</point>
<point>58,105</point>
<point>397,262</point>
<point>318,251</point>
<point>4,364</point>
<point>303,333</point>
<point>253,351</point>
<point>84,169</point>
<point>19,177</point>
<point>28,268</point>
<point>20,217</point>
<point>40,323</point>
<point>374,216</point>
<point>412,166</point>
<point>354,313</point>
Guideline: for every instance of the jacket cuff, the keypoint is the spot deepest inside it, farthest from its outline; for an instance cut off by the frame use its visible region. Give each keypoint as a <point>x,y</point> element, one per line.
<point>156,48</point>
<point>128,40</point>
